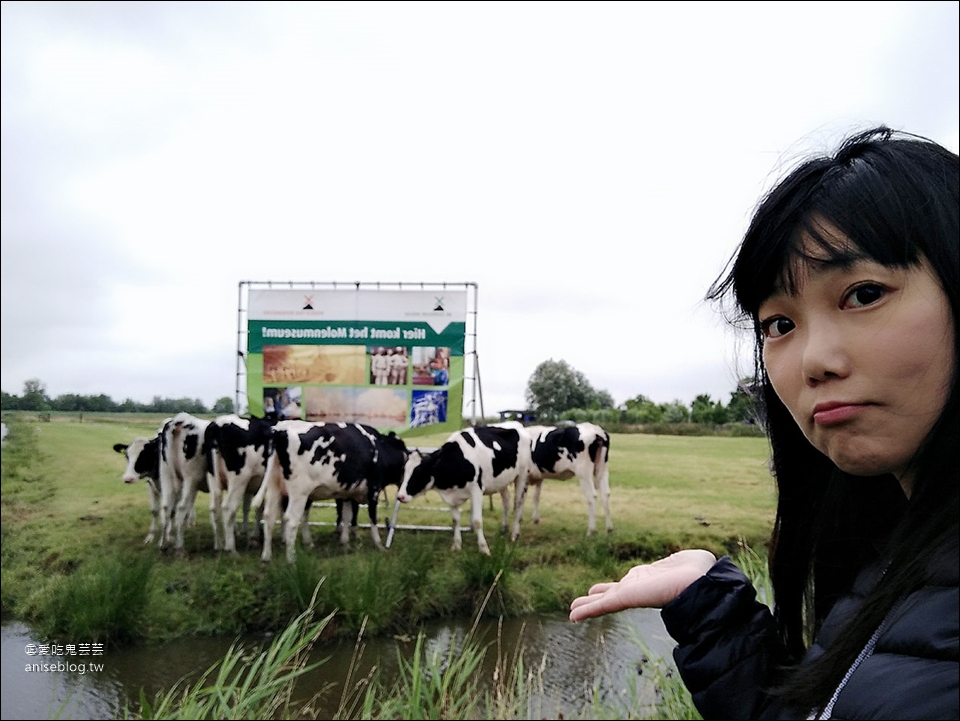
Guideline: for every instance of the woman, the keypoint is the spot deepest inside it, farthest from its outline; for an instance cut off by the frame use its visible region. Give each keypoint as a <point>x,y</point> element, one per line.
<point>848,275</point>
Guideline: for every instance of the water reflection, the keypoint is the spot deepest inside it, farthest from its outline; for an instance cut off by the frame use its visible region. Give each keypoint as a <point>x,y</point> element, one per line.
<point>576,662</point>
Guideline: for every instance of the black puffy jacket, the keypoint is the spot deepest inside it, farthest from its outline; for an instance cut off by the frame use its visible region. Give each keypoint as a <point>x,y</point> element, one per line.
<point>726,640</point>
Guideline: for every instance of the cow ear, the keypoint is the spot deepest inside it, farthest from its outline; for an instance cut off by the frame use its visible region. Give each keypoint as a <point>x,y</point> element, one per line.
<point>119,447</point>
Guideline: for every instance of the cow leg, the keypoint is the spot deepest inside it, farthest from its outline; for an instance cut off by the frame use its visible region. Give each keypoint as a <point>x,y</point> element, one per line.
<point>590,494</point>
<point>355,505</point>
<point>154,494</point>
<point>339,504</point>
<point>216,516</point>
<point>520,497</point>
<point>188,495</point>
<point>537,487</point>
<point>245,519</point>
<point>296,508</point>
<point>169,493</point>
<point>505,497</point>
<point>372,512</point>
<point>175,534</point>
<point>271,509</point>
<point>236,495</point>
<point>604,481</point>
<point>476,519</point>
<point>282,508</point>
<point>306,538</point>
<point>457,540</point>
<point>344,526</point>
<point>251,531</point>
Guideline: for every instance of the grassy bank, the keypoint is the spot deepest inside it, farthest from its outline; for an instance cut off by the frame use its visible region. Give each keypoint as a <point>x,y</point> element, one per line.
<point>431,683</point>
<point>73,561</point>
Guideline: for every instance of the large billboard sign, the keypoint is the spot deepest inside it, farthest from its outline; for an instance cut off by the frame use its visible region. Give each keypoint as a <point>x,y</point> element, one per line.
<point>392,359</point>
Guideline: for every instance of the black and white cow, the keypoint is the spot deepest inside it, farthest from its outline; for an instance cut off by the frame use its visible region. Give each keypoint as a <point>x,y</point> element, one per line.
<point>239,449</point>
<point>143,462</point>
<point>470,464</point>
<point>316,461</point>
<point>580,451</point>
<point>184,469</point>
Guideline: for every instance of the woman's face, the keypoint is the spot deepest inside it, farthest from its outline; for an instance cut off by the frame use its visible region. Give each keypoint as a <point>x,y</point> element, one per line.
<point>862,357</point>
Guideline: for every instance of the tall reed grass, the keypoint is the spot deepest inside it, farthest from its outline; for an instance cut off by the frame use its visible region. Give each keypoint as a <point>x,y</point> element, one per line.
<point>432,683</point>
<point>103,601</point>
<point>235,688</point>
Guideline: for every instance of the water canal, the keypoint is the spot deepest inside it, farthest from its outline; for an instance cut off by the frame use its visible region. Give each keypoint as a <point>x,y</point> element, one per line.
<point>598,658</point>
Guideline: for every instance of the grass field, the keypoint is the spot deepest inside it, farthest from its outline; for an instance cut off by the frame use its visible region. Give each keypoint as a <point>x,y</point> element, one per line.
<point>72,538</point>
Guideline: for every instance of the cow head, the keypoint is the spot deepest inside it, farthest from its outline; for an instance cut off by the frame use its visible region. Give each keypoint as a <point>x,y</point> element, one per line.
<point>417,475</point>
<point>143,458</point>
<point>391,459</point>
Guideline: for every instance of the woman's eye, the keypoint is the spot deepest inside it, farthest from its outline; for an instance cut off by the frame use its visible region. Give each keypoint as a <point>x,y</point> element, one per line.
<point>863,295</point>
<point>776,327</point>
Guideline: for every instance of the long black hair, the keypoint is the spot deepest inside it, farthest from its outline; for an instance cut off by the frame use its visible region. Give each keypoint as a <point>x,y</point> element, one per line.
<point>896,198</point>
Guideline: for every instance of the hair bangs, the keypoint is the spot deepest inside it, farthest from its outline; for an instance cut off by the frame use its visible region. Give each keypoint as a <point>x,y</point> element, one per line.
<point>834,216</point>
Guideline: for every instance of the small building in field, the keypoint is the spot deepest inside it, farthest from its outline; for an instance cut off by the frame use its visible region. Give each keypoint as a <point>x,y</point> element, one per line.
<point>525,416</point>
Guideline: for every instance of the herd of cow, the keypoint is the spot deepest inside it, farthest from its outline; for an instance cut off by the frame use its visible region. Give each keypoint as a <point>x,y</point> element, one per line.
<point>284,466</point>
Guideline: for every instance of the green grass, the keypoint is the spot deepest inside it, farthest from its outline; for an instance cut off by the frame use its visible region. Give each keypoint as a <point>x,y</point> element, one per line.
<point>70,526</point>
<point>73,563</point>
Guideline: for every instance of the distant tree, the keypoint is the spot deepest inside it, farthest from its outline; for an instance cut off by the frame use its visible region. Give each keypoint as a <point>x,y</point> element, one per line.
<point>159,405</point>
<point>73,402</point>
<point>705,410</point>
<point>643,410</point>
<point>720,414</point>
<point>9,402</point>
<point>701,410</point>
<point>34,396</point>
<point>555,387</point>
<point>190,405</point>
<point>171,406</point>
<point>676,412</point>
<point>603,400</point>
<point>223,405</point>
<point>68,402</point>
<point>101,403</point>
<point>129,406</point>
<point>742,407</point>
<point>637,402</point>
<point>35,399</point>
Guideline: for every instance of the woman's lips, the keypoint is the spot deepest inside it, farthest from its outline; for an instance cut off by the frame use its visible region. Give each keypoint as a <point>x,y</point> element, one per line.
<point>828,414</point>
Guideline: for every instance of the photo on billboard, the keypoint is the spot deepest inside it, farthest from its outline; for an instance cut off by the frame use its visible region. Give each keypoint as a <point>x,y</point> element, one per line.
<point>334,365</point>
<point>283,404</point>
<point>431,366</point>
<point>378,407</point>
<point>388,366</point>
<point>428,408</point>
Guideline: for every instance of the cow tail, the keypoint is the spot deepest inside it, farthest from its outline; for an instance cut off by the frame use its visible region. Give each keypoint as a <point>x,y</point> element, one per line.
<point>176,451</point>
<point>219,471</point>
<point>600,460</point>
<point>216,473</point>
<point>270,471</point>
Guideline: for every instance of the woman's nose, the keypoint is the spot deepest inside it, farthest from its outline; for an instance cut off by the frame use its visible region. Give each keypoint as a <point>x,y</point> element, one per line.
<point>824,354</point>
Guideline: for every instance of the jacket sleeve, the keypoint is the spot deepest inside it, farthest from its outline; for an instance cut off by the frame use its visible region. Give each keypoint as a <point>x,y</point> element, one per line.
<point>727,644</point>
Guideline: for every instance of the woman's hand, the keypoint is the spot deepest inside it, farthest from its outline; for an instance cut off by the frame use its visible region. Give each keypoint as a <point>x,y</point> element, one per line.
<point>652,585</point>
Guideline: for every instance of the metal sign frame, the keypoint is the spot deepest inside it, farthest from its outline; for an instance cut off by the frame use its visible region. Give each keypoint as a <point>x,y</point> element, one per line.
<point>471,365</point>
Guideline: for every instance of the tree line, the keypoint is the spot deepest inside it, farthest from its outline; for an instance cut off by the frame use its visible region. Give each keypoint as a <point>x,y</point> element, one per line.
<point>555,391</point>
<point>35,398</point>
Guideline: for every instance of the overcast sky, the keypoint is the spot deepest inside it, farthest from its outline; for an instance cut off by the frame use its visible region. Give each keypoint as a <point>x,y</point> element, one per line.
<point>591,166</point>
